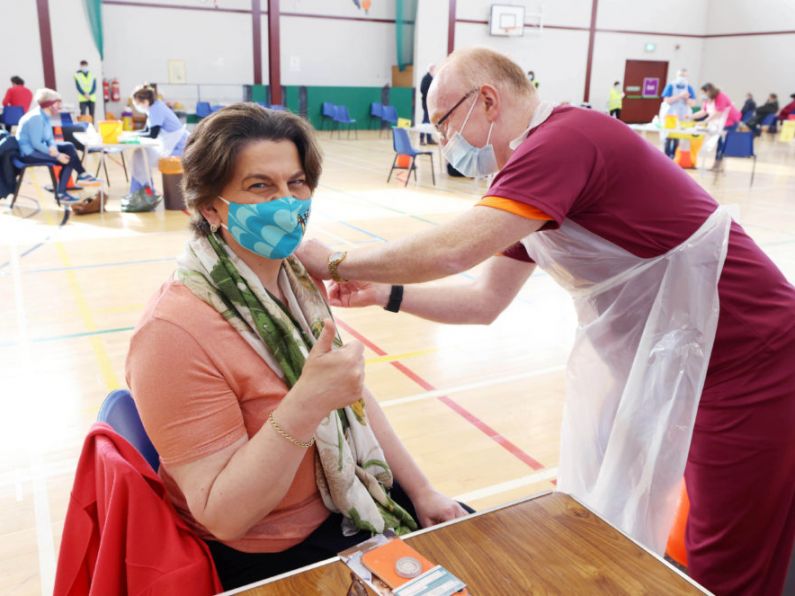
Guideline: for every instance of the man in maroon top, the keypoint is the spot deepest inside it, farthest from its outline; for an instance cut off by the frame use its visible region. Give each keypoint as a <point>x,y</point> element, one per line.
<point>598,207</point>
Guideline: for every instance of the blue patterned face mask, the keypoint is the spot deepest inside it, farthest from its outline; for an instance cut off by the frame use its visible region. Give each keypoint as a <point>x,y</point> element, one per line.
<point>273,229</point>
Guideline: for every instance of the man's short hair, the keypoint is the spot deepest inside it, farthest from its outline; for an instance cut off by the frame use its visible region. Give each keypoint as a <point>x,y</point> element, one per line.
<point>481,66</point>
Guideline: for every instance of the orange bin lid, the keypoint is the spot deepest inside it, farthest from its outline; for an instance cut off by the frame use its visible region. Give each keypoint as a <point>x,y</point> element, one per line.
<point>170,165</point>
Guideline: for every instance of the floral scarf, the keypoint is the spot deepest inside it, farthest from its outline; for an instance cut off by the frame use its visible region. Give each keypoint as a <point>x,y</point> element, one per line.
<point>350,468</point>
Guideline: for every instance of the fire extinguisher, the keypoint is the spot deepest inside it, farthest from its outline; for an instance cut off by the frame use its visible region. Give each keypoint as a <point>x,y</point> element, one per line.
<point>106,90</point>
<point>115,91</point>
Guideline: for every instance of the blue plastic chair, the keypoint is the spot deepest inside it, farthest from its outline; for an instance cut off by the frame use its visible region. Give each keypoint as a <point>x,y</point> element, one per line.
<point>389,117</point>
<point>66,119</point>
<point>401,143</point>
<point>329,113</point>
<point>377,114</point>
<point>342,116</point>
<point>22,167</point>
<point>12,115</point>
<point>740,144</point>
<point>203,109</point>
<point>119,411</point>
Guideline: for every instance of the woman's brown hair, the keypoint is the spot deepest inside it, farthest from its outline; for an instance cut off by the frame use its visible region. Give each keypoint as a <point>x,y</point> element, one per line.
<point>146,92</point>
<point>212,150</point>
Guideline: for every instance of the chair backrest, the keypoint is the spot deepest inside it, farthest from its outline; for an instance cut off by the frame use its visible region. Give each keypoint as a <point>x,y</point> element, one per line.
<point>739,144</point>
<point>390,114</point>
<point>12,115</point>
<point>203,108</point>
<point>376,109</point>
<point>328,110</point>
<point>66,119</point>
<point>120,412</point>
<point>342,114</point>
<point>401,142</point>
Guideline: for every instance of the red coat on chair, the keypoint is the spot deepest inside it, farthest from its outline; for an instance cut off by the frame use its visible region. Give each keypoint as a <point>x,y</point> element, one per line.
<point>122,535</point>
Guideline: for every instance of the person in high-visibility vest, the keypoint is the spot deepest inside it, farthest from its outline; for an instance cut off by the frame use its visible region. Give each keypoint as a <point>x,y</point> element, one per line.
<point>86,89</point>
<point>615,101</point>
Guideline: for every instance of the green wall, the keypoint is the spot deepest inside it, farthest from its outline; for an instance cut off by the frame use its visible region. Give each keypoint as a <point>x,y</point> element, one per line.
<point>357,99</point>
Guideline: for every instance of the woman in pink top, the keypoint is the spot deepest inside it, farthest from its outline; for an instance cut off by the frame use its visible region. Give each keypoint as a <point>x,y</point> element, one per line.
<point>717,106</point>
<point>270,445</point>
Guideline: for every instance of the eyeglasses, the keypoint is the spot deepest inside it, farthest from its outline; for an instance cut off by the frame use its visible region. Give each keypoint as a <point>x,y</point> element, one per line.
<point>438,125</point>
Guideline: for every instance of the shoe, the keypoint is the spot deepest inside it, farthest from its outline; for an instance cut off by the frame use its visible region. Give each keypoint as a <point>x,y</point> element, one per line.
<point>67,198</point>
<point>87,179</point>
<point>431,142</point>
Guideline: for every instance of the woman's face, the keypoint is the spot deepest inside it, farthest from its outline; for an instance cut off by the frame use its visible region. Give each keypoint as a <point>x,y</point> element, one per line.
<point>265,170</point>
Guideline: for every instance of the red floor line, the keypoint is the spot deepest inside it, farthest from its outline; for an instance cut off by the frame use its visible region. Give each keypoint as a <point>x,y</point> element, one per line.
<point>457,408</point>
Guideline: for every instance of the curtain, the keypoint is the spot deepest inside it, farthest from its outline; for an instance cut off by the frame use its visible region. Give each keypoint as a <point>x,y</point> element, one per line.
<point>94,15</point>
<point>406,13</point>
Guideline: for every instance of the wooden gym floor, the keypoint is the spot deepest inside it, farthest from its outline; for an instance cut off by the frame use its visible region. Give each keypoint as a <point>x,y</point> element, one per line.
<point>479,407</point>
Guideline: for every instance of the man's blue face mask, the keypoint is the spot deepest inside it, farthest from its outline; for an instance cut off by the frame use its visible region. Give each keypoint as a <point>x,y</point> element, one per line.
<point>273,229</point>
<point>471,161</point>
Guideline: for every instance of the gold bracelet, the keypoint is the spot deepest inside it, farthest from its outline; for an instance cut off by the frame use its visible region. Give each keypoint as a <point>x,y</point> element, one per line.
<point>288,436</point>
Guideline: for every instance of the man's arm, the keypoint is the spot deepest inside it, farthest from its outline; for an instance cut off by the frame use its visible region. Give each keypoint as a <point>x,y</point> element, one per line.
<point>450,248</point>
<point>476,302</point>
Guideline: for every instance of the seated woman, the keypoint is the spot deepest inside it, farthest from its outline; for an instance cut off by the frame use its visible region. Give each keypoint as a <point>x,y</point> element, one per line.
<point>270,446</point>
<point>162,124</point>
<point>37,143</point>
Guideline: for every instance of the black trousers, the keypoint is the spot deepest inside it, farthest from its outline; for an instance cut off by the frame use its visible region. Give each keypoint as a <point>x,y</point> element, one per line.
<point>74,163</point>
<point>236,568</point>
<point>616,113</point>
<point>87,107</point>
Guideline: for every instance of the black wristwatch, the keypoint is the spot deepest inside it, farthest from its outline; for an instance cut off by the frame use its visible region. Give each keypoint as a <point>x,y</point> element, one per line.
<point>395,298</point>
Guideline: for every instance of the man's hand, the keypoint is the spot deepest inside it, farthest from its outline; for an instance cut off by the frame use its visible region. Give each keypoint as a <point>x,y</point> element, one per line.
<point>358,293</point>
<point>314,255</point>
<point>63,158</point>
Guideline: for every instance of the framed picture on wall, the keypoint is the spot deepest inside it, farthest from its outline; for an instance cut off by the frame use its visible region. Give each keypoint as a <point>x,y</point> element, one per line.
<point>176,71</point>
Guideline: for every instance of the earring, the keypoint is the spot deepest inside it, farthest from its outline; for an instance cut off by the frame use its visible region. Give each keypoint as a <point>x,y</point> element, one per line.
<point>213,228</point>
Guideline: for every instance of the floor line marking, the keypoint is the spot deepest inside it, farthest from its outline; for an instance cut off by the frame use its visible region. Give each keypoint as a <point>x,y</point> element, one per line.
<point>457,408</point>
<point>547,474</point>
<point>469,387</point>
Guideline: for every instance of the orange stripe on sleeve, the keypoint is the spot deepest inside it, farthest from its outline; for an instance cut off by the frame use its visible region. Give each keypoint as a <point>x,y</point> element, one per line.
<point>515,207</point>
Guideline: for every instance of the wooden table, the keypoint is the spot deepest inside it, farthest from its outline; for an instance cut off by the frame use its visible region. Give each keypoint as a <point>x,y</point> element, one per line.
<point>545,545</point>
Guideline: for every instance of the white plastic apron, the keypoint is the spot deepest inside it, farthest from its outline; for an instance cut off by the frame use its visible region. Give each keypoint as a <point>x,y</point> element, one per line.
<point>145,158</point>
<point>635,374</point>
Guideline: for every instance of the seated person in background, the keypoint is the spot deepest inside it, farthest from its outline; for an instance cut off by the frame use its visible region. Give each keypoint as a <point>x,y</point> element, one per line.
<point>749,107</point>
<point>17,95</point>
<point>767,108</point>
<point>37,143</point>
<point>161,124</point>
<point>788,110</point>
<point>270,445</point>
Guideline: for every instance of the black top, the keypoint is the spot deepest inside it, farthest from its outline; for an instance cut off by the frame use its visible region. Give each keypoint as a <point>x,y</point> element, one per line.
<point>425,84</point>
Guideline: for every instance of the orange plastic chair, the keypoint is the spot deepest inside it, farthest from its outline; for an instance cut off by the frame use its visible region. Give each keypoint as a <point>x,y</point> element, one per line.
<point>676,539</point>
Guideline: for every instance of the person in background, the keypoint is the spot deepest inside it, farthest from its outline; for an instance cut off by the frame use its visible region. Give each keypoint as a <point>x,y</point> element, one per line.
<point>616,100</point>
<point>161,123</point>
<point>37,143</point>
<point>749,107</point>
<point>531,76</point>
<point>767,108</point>
<point>86,89</point>
<point>788,110</point>
<point>679,96</point>
<point>719,107</point>
<point>17,95</point>
<point>425,84</point>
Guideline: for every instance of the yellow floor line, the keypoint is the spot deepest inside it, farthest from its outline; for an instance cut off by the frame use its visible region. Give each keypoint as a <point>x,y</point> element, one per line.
<point>97,344</point>
<point>403,356</point>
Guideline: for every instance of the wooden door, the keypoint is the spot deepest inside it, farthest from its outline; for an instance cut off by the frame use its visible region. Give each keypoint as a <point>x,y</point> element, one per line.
<point>644,81</point>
